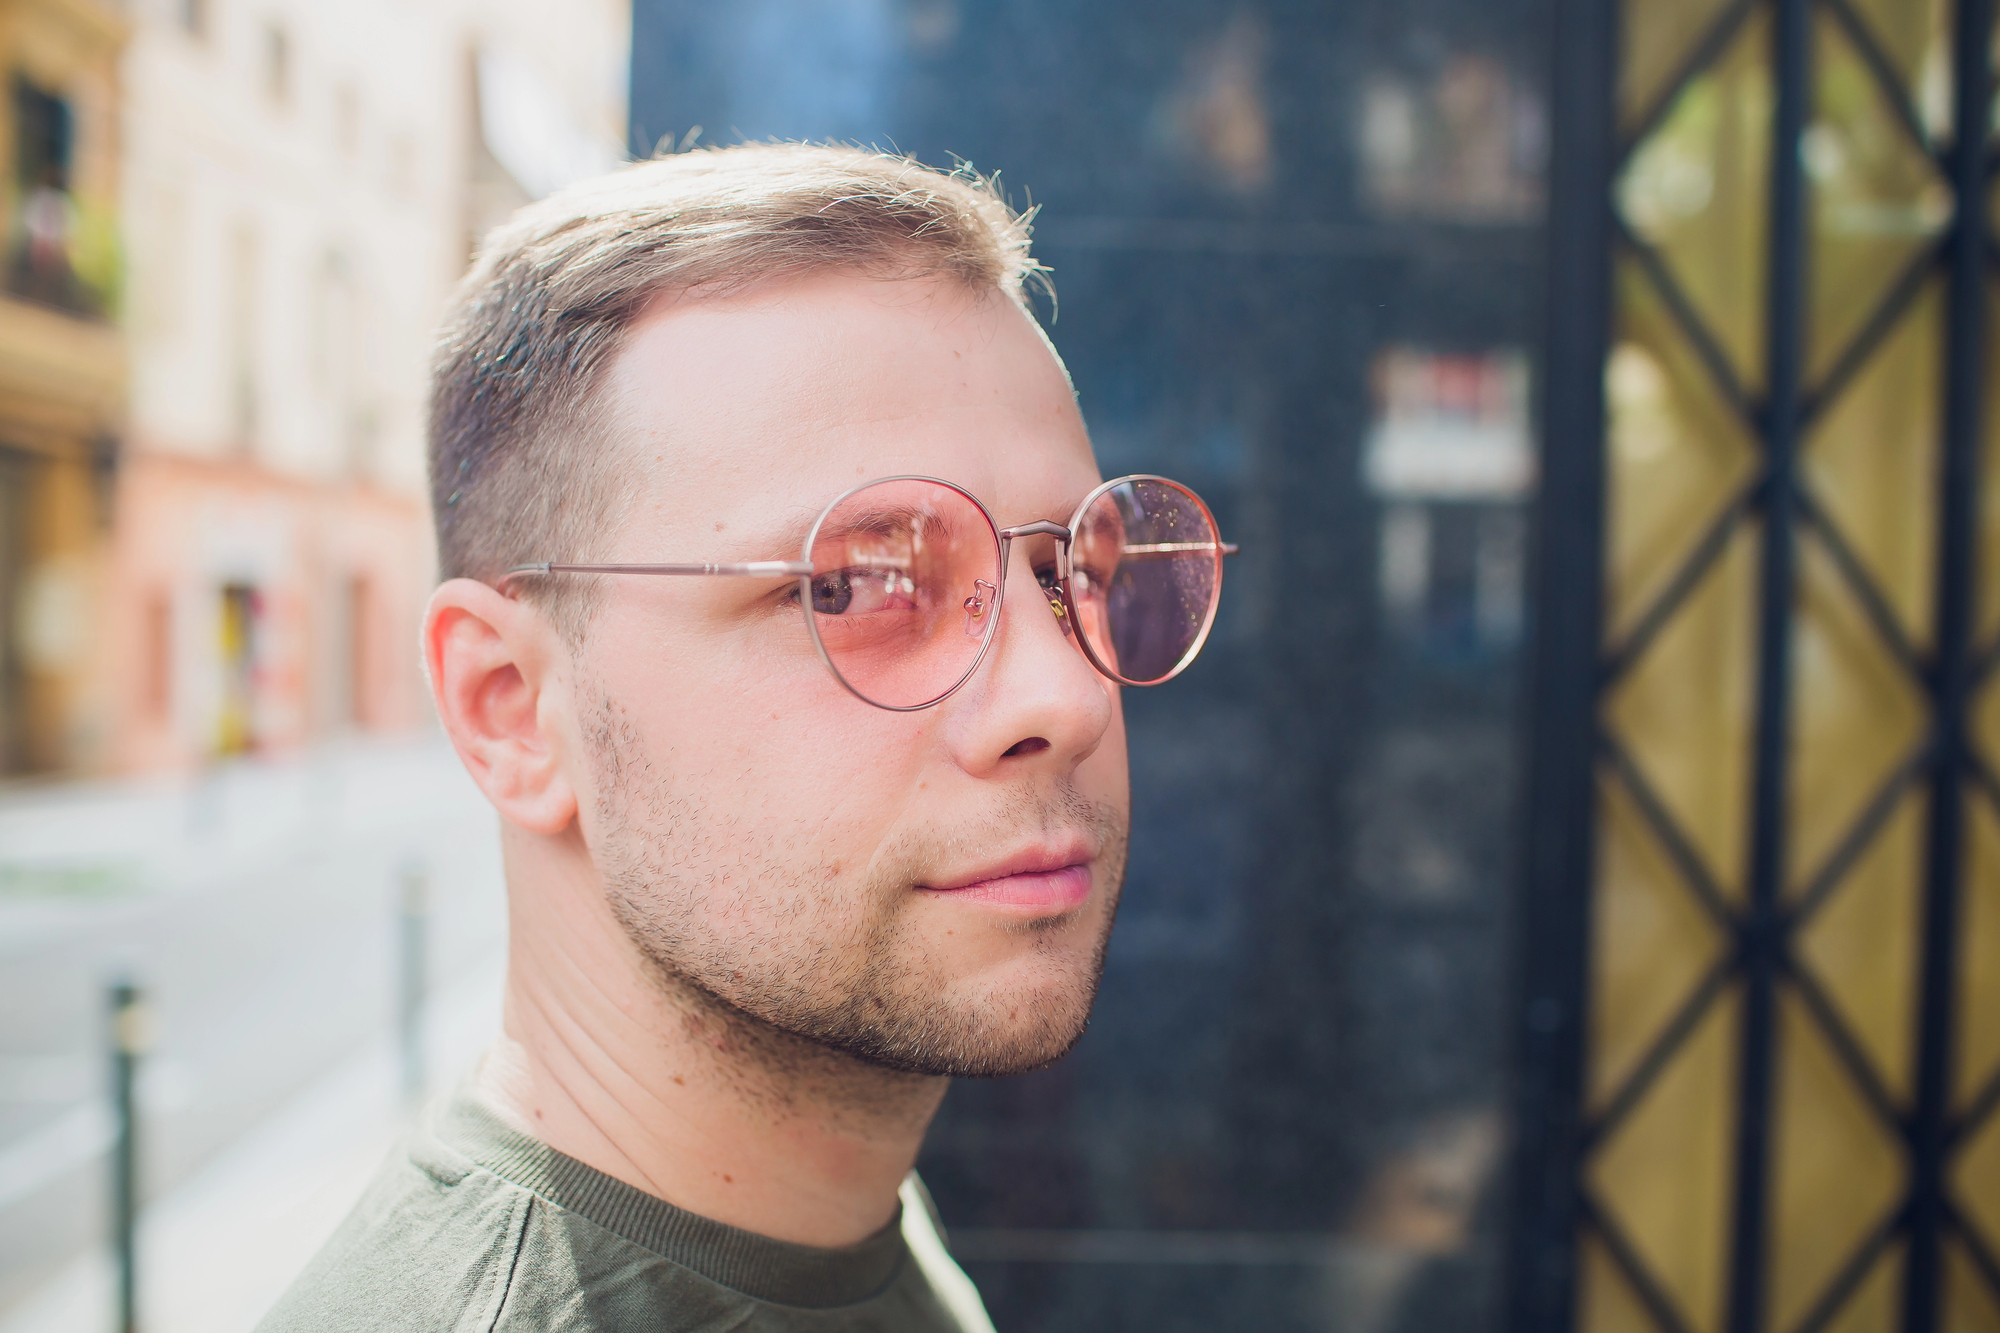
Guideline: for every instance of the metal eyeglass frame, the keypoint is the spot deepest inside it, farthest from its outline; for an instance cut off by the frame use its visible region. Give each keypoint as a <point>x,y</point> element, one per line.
<point>1060,600</point>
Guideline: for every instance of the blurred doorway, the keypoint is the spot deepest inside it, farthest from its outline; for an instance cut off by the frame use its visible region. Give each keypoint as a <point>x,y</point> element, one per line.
<point>236,655</point>
<point>14,551</point>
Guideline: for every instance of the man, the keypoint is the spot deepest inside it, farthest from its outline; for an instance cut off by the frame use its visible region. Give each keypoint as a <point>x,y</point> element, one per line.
<point>811,774</point>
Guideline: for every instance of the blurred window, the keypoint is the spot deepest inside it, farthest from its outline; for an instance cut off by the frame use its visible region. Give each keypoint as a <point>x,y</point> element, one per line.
<point>347,120</point>
<point>236,729</point>
<point>277,64</point>
<point>360,612</point>
<point>245,296</point>
<point>194,17</point>
<point>48,230</point>
<point>157,659</point>
<point>14,485</point>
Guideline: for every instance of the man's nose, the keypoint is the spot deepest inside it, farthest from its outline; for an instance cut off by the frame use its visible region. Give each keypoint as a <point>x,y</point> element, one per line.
<point>1037,698</point>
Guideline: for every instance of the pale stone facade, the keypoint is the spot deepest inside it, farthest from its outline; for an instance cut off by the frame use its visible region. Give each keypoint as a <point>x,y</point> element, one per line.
<point>301,186</point>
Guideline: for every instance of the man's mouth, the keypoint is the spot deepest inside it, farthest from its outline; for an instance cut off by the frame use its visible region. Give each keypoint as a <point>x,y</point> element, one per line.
<point>1038,882</point>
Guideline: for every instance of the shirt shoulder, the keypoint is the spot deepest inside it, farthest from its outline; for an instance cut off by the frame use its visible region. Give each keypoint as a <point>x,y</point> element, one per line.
<point>430,1248</point>
<point>441,1243</point>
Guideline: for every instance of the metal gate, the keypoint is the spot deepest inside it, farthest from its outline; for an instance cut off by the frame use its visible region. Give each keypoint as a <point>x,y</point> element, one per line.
<point>1760,1037</point>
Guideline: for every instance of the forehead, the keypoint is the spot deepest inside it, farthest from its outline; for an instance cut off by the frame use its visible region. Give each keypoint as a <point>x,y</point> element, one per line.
<point>753,411</point>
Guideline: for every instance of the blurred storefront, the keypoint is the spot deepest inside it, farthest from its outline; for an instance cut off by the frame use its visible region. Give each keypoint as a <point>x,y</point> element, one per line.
<point>62,369</point>
<point>224,548</point>
<point>1567,894</point>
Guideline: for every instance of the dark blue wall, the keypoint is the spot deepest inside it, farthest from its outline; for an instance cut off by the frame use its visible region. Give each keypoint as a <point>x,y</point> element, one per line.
<point>1301,1033</point>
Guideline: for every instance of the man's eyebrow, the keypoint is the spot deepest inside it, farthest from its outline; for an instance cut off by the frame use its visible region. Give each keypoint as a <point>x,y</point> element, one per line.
<point>887,520</point>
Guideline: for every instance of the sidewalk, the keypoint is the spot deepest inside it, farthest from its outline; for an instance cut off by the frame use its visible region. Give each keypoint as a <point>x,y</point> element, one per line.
<point>260,908</point>
<point>217,1250</point>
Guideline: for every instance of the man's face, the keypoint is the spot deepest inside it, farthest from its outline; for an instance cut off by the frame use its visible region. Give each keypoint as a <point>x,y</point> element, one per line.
<point>931,890</point>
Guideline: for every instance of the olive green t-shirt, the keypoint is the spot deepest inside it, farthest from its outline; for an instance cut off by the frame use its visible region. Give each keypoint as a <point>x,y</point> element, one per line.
<point>473,1227</point>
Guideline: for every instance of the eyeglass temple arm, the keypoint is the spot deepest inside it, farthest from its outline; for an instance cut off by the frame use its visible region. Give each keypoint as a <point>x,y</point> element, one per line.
<point>756,569</point>
<point>1155,549</point>
<point>768,569</point>
<point>1061,533</point>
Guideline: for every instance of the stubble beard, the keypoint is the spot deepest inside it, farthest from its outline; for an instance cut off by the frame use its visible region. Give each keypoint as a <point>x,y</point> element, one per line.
<point>798,979</point>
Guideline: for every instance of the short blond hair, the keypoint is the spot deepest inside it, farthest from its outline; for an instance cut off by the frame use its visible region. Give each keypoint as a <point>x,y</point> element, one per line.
<point>521,462</point>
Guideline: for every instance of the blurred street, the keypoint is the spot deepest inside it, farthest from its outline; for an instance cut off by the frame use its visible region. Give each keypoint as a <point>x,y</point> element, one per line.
<point>261,910</point>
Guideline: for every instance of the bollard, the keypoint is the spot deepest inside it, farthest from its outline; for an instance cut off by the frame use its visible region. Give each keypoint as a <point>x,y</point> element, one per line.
<point>412,923</point>
<point>129,1038</point>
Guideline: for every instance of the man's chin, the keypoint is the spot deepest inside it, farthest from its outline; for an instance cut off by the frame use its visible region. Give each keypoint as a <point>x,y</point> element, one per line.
<point>991,1032</point>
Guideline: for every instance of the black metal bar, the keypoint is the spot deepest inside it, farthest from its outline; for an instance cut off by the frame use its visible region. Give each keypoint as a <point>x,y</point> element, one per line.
<point>1763,928</point>
<point>1672,1037</point>
<point>128,1042</point>
<point>1846,1047</point>
<point>1659,1304</point>
<point>1957,552</point>
<point>1983,1104</point>
<point>1848,1280</point>
<point>1685,580</point>
<point>1982,1258</point>
<point>1874,604</point>
<point>1661,821</point>
<point>1552,940</point>
<point>1988,659</point>
<point>1703,54</point>
<point>1861,347</point>
<point>1859,836</point>
<point>1887,81</point>
<point>1983,779</point>
<point>1713,358</point>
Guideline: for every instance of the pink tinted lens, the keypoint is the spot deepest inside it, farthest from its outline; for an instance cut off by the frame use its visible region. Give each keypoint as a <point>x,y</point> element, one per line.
<point>903,590</point>
<point>1145,567</point>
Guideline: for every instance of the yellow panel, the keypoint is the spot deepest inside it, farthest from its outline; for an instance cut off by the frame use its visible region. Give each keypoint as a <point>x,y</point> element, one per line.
<point>1975,1181</point>
<point>1605,1301</point>
<point>1653,942</point>
<point>1665,1174</point>
<point>1915,37</point>
<point>1654,42</point>
<point>1697,188</point>
<point>1678,452</point>
<point>1983,719</point>
<point>1986,577</point>
<point>1877,197</point>
<point>1684,711</point>
<point>1978,1055</point>
<point>1862,944</point>
<point>1855,714</point>
<point>1872,461</point>
<point>1877,1306</point>
<point>1838,1170</point>
<point>1970,1306</point>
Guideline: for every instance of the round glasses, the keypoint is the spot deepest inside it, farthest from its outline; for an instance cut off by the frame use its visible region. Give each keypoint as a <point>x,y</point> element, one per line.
<point>903,580</point>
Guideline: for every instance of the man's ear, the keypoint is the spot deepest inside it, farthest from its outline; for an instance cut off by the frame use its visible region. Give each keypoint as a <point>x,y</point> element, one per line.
<point>494,666</point>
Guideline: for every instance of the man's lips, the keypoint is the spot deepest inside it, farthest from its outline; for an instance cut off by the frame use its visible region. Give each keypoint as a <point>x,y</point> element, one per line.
<point>1061,890</point>
<point>1040,882</point>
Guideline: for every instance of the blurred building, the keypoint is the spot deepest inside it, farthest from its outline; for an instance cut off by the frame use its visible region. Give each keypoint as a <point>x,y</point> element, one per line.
<point>62,365</point>
<point>245,547</point>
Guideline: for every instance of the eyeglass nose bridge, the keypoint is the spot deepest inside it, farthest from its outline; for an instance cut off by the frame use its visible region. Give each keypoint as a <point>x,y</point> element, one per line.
<point>1058,600</point>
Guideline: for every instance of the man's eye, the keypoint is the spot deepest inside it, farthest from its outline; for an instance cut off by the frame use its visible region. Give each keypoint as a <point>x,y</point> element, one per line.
<point>842,592</point>
<point>1046,576</point>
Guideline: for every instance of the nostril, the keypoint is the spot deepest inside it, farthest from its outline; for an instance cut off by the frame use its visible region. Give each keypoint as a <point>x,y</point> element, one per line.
<point>1032,745</point>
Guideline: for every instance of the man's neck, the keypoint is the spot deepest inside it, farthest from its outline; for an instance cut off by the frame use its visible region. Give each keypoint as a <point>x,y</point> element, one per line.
<point>607,1062</point>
